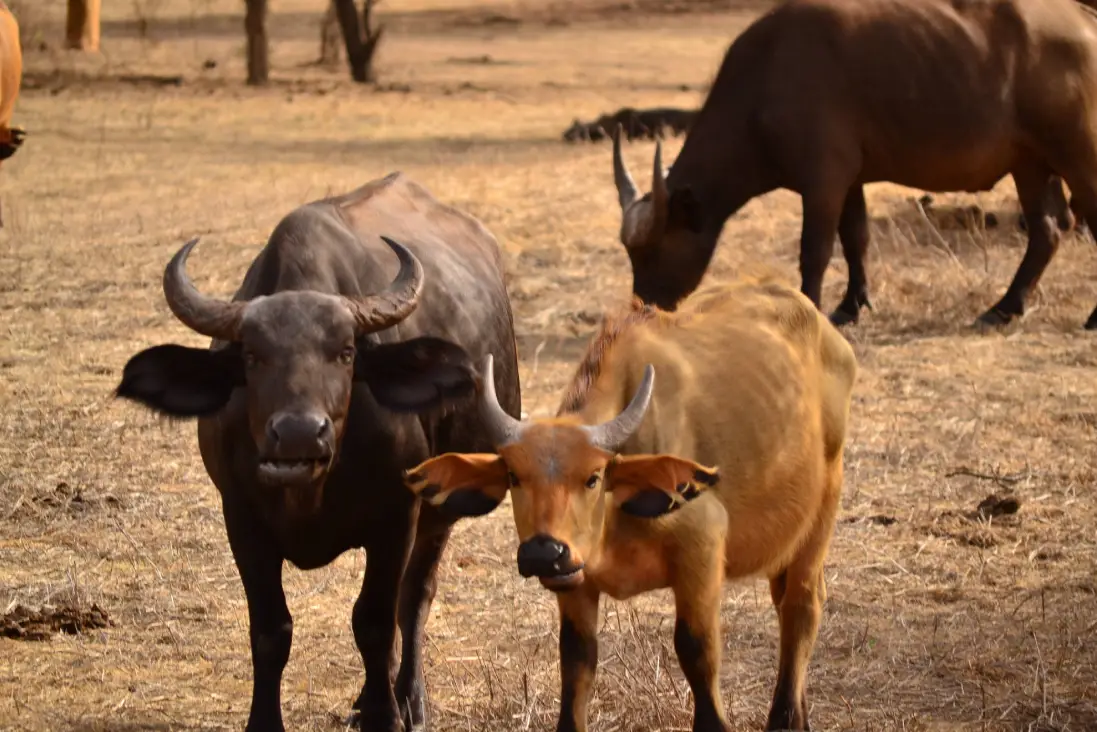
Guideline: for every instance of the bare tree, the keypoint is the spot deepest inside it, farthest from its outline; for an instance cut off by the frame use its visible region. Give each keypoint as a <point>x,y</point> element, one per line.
<point>82,25</point>
<point>361,39</point>
<point>255,25</point>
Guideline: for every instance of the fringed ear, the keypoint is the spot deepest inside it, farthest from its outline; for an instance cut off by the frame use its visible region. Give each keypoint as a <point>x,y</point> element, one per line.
<point>182,382</point>
<point>418,375</point>
<point>649,486</point>
<point>460,485</point>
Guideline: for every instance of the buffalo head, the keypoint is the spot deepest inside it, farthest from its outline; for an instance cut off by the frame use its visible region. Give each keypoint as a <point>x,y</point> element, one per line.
<point>663,233</point>
<point>297,354</point>
<point>563,477</point>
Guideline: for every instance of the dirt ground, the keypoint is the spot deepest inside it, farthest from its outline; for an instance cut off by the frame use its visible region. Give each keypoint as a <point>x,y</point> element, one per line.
<point>938,619</point>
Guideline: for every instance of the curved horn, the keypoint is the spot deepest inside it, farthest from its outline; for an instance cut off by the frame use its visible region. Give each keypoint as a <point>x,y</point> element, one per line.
<point>385,309</point>
<point>502,428</point>
<point>659,193</point>
<point>206,315</point>
<point>610,436</point>
<point>626,188</point>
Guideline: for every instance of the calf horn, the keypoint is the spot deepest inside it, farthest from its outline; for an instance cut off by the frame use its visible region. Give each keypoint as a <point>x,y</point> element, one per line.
<point>385,309</point>
<point>610,436</point>
<point>502,428</point>
<point>206,315</point>
<point>626,188</point>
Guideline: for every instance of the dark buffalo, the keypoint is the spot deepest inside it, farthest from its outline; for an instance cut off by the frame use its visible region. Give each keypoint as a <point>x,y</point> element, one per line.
<point>823,96</point>
<point>326,379</point>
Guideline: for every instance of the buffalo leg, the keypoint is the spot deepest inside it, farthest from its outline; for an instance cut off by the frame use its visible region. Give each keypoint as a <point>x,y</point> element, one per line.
<point>853,233</point>
<point>578,656</point>
<point>1084,201</point>
<point>1032,183</point>
<point>697,643</point>
<point>799,614</point>
<point>822,211</point>
<point>1058,206</point>
<point>798,593</point>
<point>269,623</point>
<point>374,624</point>
<point>416,595</point>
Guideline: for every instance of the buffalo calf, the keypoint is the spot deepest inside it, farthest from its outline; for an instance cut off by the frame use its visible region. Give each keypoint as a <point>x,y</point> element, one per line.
<point>728,465</point>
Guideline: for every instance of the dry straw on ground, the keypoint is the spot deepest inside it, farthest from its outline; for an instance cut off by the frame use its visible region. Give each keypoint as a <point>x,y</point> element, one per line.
<point>938,618</point>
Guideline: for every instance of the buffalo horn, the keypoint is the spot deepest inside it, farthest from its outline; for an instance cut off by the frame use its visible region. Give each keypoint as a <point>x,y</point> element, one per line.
<point>502,428</point>
<point>206,315</point>
<point>659,194</point>
<point>385,309</point>
<point>626,188</point>
<point>610,436</point>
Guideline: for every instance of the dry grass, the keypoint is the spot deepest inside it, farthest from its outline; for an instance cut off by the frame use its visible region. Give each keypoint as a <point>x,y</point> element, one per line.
<point>936,621</point>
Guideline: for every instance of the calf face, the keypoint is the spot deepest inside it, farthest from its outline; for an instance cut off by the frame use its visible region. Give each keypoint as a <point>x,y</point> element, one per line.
<point>563,477</point>
<point>297,355</point>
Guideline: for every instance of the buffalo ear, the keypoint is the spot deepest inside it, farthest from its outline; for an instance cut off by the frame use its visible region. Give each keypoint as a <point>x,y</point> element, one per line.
<point>650,486</point>
<point>182,382</point>
<point>417,375</point>
<point>684,211</point>
<point>460,485</point>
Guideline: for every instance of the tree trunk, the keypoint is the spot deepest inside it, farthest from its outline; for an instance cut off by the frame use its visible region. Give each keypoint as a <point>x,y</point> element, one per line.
<point>255,25</point>
<point>331,50</point>
<point>371,38</point>
<point>359,50</point>
<point>348,21</point>
<point>82,25</point>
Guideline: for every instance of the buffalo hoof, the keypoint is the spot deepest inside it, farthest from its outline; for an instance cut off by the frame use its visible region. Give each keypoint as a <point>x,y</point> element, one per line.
<point>355,720</point>
<point>1091,324</point>
<point>841,317</point>
<point>993,318</point>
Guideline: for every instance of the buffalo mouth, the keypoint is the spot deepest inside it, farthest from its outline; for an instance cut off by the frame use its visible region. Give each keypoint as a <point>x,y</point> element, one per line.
<point>293,471</point>
<point>564,581</point>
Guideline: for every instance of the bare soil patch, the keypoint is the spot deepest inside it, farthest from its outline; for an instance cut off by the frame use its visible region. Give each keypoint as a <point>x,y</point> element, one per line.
<point>25,624</point>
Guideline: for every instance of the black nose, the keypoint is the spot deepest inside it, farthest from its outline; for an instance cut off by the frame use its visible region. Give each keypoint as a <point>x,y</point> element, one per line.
<point>542,556</point>
<point>299,435</point>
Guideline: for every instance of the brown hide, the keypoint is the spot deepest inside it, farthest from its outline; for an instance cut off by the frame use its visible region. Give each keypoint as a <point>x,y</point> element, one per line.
<point>824,96</point>
<point>11,76</point>
<point>751,378</point>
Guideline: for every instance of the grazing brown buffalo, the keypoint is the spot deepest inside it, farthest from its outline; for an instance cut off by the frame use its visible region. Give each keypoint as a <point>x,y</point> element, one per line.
<point>753,379</point>
<point>323,384</point>
<point>823,96</point>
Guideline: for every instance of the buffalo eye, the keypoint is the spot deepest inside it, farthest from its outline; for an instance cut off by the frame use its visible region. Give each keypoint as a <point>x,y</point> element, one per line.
<point>346,356</point>
<point>250,360</point>
<point>512,479</point>
<point>592,481</point>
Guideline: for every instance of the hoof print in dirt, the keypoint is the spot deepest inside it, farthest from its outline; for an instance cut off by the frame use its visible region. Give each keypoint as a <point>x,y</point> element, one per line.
<point>995,505</point>
<point>637,124</point>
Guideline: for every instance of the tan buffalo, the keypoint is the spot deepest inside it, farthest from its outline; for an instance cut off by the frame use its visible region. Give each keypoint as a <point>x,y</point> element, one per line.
<point>620,494</point>
<point>11,76</point>
<point>823,96</point>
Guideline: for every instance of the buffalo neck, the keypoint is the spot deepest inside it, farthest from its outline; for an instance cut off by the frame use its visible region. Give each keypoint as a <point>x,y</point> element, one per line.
<point>719,164</point>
